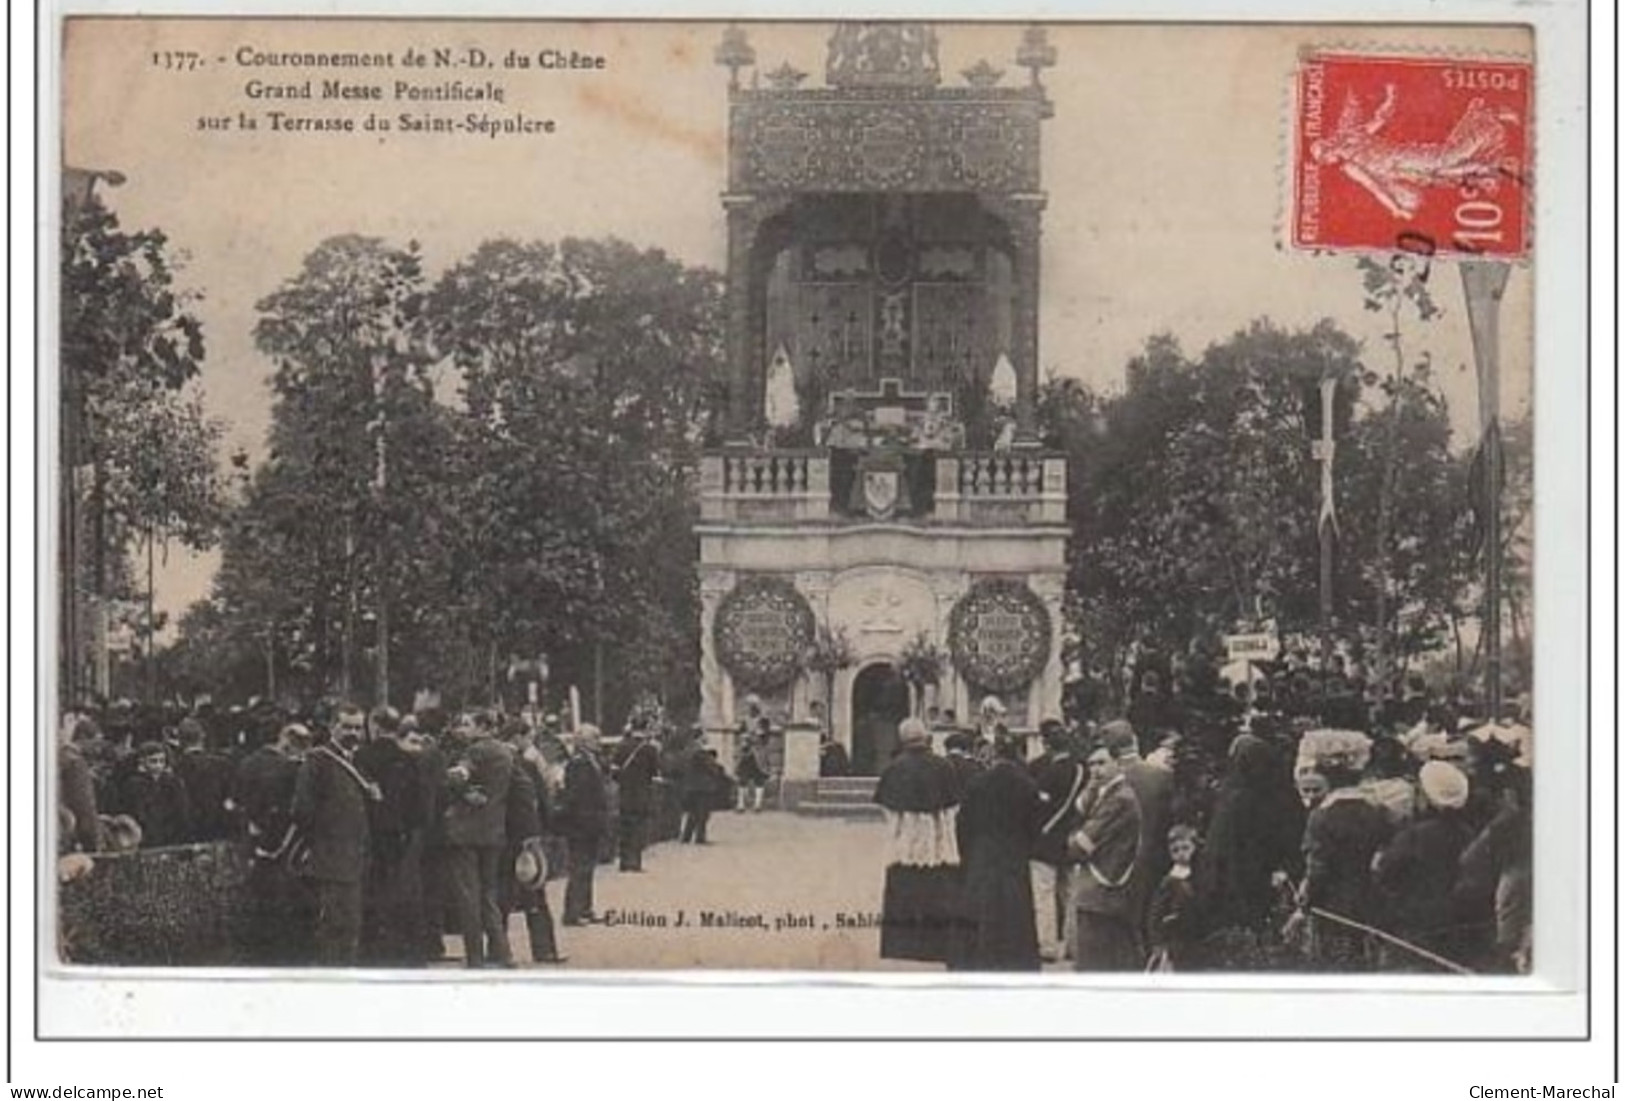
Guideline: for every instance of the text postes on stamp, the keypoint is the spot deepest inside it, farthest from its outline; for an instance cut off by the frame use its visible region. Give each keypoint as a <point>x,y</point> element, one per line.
<point>1419,155</point>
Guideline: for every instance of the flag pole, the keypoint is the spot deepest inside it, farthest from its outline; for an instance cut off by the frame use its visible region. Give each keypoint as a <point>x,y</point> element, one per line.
<point>1325,448</point>
<point>1483,283</point>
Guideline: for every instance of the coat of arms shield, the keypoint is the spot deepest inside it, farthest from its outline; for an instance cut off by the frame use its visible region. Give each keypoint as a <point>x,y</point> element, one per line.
<point>880,493</point>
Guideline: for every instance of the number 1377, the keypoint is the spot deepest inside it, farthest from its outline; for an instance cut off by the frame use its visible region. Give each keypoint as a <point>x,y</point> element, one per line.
<point>181,60</point>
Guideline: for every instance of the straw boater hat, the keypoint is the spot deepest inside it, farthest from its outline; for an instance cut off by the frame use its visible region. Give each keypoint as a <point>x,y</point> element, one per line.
<point>530,867</point>
<point>1444,784</point>
<point>913,732</point>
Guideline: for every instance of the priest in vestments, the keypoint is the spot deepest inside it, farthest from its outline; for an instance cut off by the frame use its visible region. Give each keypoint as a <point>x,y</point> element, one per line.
<point>920,794</point>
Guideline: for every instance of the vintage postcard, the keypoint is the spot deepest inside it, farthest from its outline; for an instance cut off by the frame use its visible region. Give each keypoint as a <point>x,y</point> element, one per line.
<point>840,497</point>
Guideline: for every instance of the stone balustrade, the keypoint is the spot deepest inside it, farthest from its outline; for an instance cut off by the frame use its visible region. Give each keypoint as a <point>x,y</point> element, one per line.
<point>975,488</point>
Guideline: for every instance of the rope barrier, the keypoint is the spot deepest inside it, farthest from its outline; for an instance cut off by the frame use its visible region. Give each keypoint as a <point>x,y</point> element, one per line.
<point>1448,965</point>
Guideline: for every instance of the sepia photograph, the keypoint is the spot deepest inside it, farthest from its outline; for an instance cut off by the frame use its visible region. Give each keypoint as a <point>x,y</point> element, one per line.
<point>841,497</point>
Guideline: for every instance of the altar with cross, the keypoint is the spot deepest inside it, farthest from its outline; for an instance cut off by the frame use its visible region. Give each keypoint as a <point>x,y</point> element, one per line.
<point>879,509</point>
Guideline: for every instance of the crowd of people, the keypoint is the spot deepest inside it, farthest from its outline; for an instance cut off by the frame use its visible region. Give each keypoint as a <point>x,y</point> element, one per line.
<point>1245,837</point>
<point>374,835</point>
<point>1245,833</point>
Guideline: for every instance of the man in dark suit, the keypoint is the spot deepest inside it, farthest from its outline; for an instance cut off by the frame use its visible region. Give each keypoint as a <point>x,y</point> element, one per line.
<point>1154,790</point>
<point>1106,844</point>
<point>476,838</point>
<point>583,817</point>
<point>206,775</point>
<point>330,811</point>
<point>393,919</point>
<point>432,764</point>
<point>262,794</point>
<point>527,820</point>
<point>636,766</point>
<point>155,797</point>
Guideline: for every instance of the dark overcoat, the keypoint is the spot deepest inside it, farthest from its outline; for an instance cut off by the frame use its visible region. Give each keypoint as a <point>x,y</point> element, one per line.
<point>635,772</point>
<point>583,804</point>
<point>480,820</point>
<point>997,930</point>
<point>330,809</point>
<point>1111,820</point>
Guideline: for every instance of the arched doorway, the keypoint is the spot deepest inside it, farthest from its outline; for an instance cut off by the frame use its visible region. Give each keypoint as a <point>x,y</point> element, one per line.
<point>879,704</point>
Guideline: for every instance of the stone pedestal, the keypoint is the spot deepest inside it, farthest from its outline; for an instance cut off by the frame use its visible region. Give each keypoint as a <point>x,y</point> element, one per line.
<point>800,778</point>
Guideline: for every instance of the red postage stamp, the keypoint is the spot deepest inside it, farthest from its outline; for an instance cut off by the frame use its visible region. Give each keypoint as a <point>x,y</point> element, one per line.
<point>1410,154</point>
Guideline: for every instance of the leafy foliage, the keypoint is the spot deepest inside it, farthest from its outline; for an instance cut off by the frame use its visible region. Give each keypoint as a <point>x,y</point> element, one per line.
<point>502,459</point>
<point>139,454</point>
<point>1195,497</point>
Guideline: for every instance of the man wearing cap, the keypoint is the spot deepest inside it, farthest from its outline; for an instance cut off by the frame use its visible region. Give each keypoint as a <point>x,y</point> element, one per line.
<point>476,839</point>
<point>583,817</point>
<point>1106,844</point>
<point>1060,777</point>
<point>330,800</point>
<point>636,766</point>
<point>1418,869</point>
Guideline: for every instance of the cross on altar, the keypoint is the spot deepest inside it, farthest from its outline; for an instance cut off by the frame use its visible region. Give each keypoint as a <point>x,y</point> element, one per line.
<point>889,405</point>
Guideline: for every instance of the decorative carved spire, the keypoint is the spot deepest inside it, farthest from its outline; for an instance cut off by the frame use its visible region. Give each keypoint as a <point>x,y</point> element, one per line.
<point>882,55</point>
<point>982,75</point>
<point>1036,53</point>
<point>785,77</point>
<point>734,52</point>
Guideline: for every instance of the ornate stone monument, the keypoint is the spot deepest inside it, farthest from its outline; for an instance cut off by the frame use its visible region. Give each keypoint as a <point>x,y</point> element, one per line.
<point>881,527</point>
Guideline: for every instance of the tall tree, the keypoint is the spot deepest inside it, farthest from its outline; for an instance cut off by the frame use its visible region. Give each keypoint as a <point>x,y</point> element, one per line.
<point>137,451</point>
<point>586,369</point>
<point>353,394</point>
<point>1399,290</point>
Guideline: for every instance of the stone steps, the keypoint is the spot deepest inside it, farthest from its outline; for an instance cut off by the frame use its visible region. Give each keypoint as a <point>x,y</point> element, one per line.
<point>842,797</point>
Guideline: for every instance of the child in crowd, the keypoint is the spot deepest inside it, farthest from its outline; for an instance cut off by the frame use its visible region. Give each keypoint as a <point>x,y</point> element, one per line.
<point>1171,923</point>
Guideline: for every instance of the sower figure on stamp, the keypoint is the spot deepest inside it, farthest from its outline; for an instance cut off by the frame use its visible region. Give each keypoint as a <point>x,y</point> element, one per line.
<point>583,817</point>
<point>476,837</point>
<point>636,767</point>
<point>330,811</point>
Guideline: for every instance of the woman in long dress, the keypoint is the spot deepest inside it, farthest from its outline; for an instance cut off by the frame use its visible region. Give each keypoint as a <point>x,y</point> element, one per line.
<point>920,795</point>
